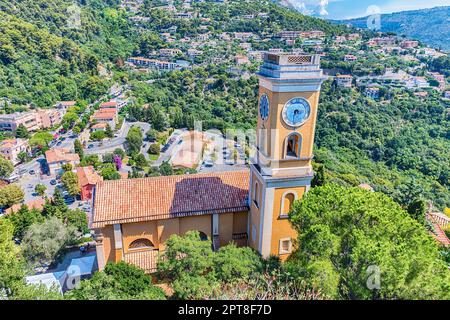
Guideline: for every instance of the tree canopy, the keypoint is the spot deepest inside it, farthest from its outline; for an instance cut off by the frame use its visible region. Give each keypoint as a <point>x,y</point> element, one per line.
<point>117,281</point>
<point>348,235</point>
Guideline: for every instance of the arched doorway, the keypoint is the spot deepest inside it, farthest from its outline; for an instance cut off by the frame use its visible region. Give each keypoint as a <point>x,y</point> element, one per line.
<point>202,236</point>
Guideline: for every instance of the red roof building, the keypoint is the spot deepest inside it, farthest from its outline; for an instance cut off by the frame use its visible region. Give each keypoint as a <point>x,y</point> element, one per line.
<point>146,199</point>
<point>87,179</point>
<point>109,104</point>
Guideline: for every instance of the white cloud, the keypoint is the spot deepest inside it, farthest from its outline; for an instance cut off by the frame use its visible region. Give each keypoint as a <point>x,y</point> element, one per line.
<point>323,8</point>
<point>311,6</point>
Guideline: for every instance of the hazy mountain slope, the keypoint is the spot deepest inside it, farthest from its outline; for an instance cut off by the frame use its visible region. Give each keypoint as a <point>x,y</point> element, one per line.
<point>431,26</point>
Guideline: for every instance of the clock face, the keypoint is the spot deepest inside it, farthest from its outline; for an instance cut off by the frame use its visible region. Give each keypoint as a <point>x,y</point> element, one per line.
<point>264,107</point>
<point>296,111</point>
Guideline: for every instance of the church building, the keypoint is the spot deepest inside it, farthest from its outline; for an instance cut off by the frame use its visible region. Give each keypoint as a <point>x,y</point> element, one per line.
<point>133,218</point>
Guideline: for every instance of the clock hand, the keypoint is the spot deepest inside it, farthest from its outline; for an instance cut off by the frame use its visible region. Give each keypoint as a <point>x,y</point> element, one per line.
<point>296,112</point>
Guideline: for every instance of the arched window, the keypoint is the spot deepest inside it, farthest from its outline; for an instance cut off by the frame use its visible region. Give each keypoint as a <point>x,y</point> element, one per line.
<point>141,244</point>
<point>203,236</point>
<point>287,202</point>
<point>256,194</point>
<point>293,146</point>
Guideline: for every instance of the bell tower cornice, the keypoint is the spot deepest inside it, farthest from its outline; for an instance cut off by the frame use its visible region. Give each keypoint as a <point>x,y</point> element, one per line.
<point>285,72</point>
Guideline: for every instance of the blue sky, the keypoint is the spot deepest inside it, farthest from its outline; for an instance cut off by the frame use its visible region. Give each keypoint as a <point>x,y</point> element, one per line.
<point>345,9</point>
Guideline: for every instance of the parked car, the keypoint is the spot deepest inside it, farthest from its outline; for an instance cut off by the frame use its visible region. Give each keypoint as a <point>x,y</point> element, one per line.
<point>13,178</point>
<point>53,182</point>
<point>32,172</point>
<point>69,200</point>
<point>90,146</point>
<point>208,163</point>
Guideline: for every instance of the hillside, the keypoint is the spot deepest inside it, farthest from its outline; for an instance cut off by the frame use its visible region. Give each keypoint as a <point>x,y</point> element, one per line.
<point>44,60</point>
<point>55,62</point>
<point>431,26</point>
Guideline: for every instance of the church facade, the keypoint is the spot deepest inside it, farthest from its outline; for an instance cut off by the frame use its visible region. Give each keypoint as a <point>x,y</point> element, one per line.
<point>133,218</point>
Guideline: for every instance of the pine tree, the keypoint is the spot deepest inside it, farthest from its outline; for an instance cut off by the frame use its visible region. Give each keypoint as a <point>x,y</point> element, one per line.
<point>319,177</point>
<point>22,132</point>
<point>417,210</point>
<point>79,148</point>
<point>57,206</point>
<point>108,131</point>
<point>165,169</point>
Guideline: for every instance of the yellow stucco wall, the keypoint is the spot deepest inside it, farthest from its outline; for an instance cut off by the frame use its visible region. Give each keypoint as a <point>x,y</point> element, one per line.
<point>225,228</point>
<point>143,230</point>
<point>276,145</point>
<point>108,243</point>
<point>254,220</point>
<point>159,231</point>
<point>281,227</point>
<point>199,223</point>
<point>166,228</point>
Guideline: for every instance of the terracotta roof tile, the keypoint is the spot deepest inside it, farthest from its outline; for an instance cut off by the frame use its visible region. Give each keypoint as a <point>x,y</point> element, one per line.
<point>134,200</point>
<point>56,155</point>
<point>87,175</point>
<point>106,113</point>
<point>33,204</point>
<point>440,235</point>
<point>108,104</point>
<point>100,125</point>
<point>106,110</point>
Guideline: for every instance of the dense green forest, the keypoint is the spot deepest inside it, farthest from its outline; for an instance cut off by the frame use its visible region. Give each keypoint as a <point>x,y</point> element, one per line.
<point>44,59</point>
<point>400,146</point>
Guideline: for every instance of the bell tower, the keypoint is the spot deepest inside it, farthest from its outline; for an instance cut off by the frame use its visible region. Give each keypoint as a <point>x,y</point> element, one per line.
<point>281,171</point>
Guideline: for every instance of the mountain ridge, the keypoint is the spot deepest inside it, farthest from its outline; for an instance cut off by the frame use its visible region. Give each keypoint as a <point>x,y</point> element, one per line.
<point>430,26</point>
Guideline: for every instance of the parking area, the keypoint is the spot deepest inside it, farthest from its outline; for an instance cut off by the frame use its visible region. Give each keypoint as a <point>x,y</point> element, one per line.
<point>35,173</point>
<point>223,155</point>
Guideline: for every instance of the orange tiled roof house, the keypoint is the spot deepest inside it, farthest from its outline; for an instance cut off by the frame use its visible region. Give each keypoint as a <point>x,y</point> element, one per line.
<point>87,179</point>
<point>58,157</point>
<point>133,218</point>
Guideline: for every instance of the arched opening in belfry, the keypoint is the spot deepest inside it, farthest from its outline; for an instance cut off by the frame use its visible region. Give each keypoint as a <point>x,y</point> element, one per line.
<point>293,146</point>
